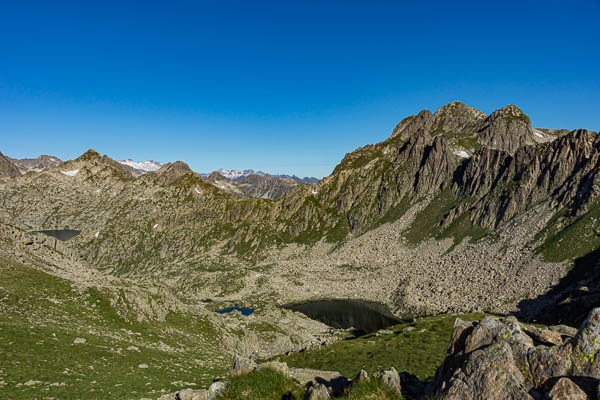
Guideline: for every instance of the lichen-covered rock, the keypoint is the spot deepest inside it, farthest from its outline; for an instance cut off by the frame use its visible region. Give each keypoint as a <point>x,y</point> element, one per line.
<point>548,362</point>
<point>500,359</point>
<point>489,373</point>
<point>565,389</point>
<point>586,344</point>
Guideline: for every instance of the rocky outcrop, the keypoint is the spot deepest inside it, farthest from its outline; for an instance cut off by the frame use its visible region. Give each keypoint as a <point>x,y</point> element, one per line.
<point>190,394</point>
<point>7,168</point>
<point>504,359</point>
<point>507,129</point>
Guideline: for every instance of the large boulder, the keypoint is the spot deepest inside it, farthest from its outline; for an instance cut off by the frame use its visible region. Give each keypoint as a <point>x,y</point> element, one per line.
<point>565,389</point>
<point>500,358</point>
<point>391,379</point>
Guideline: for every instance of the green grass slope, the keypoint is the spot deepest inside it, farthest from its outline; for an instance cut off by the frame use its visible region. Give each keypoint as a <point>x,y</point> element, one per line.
<point>420,349</point>
<point>42,315</point>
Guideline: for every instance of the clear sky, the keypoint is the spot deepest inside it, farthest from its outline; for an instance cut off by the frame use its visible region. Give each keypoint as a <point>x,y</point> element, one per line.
<point>280,86</point>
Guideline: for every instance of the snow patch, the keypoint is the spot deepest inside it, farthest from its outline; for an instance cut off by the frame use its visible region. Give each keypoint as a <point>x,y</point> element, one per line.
<point>538,134</point>
<point>238,174</point>
<point>462,154</point>
<point>155,226</point>
<point>97,234</point>
<point>197,191</point>
<point>314,191</point>
<point>144,166</point>
<point>70,173</point>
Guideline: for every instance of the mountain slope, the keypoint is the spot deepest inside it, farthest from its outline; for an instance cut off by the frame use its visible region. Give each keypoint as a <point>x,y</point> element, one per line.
<point>416,195</point>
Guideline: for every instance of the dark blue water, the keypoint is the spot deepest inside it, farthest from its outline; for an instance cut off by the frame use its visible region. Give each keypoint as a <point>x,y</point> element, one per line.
<point>363,316</point>
<point>245,311</point>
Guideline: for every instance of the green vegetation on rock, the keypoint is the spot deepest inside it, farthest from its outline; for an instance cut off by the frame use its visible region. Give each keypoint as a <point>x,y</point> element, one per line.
<point>567,237</point>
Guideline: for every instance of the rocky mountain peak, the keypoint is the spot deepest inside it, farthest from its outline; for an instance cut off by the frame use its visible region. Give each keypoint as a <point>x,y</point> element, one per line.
<point>177,166</point>
<point>216,176</point>
<point>415,124</point>
<point>89,155</point>
<point>509,111</point>
<point>169,172</point>
<point>454,117</point>
<point>457,117</point>
<point>507,129</point>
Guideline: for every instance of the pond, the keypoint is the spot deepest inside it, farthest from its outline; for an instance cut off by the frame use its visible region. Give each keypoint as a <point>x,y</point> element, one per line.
<point>244,310</point>
<point>60,234</point>
<point>363,316</point>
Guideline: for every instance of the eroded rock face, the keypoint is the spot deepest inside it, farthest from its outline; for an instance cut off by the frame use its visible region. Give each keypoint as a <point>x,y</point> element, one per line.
<point>503,359</point>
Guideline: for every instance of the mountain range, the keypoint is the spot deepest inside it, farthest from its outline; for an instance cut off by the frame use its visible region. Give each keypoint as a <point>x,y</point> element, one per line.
<point>236,174</point>
<point>246,183</point>
<point>456,211</point>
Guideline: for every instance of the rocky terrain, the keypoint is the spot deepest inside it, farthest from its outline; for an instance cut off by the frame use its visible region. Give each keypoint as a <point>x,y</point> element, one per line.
<point>7,168</point>
<point>37,164</point>
<point>504,359</point>
<point>457,211</point>
<point>259,186</point>
<point>494,358</point>
<point>410,203</point>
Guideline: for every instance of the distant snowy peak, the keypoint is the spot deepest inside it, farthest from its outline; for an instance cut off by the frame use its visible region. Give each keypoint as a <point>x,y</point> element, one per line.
<point>236,174</point>
<point>143,166</point>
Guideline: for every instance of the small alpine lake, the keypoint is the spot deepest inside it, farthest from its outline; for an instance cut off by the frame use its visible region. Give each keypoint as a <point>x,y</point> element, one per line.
<point>60,234</point>
<point>244,310</point>
<point>363,316</point>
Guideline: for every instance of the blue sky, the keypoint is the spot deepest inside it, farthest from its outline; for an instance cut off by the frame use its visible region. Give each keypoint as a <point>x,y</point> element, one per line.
<point>285,87</point>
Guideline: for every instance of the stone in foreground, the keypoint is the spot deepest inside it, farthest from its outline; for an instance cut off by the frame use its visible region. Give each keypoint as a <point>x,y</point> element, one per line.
<point>501,359</point>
